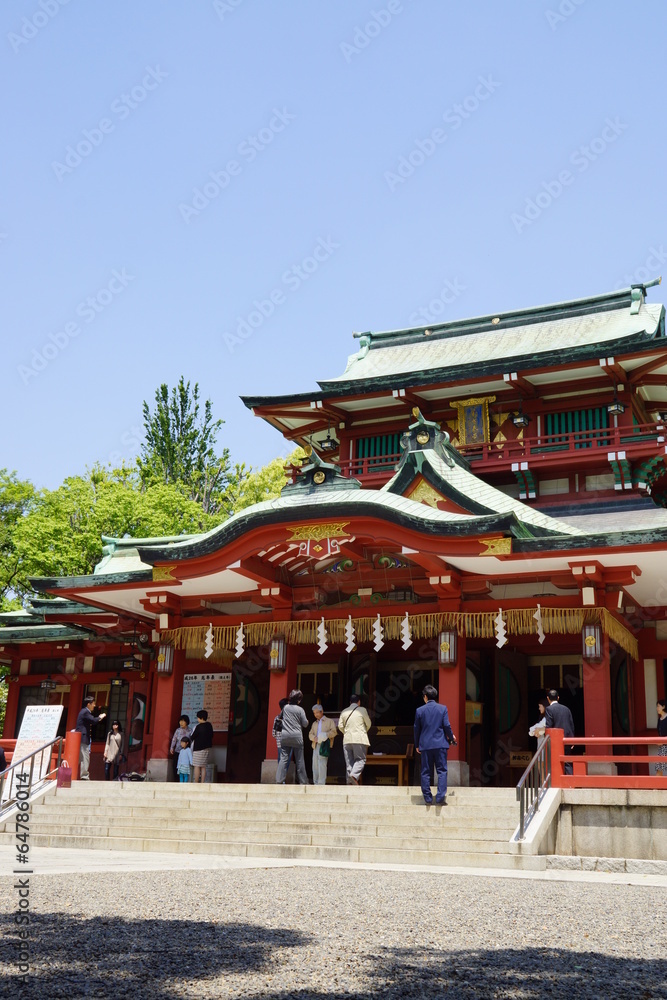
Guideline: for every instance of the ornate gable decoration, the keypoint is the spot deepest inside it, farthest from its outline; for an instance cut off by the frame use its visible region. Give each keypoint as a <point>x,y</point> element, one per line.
<point>425,493</point>
<point>319,541</point>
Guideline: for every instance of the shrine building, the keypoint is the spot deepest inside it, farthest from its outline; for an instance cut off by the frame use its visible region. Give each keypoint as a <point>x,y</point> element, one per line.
<point>483,508</point>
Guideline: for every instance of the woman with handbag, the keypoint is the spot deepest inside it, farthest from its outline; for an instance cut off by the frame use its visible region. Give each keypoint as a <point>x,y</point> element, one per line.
<point>322,735</point>
<point>112,750</point>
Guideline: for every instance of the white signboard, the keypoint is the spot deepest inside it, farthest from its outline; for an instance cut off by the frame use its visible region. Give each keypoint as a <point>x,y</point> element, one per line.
<point>39,726</point>
<point>209,691</point>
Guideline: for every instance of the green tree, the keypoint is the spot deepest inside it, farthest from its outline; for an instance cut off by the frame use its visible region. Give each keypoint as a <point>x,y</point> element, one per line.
<point>16,497</point>
<point>61,535</point>
<point>179,447</point>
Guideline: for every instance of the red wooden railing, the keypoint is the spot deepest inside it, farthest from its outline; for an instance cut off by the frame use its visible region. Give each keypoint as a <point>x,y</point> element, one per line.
<point>637,441</point>
<point>605,745</point>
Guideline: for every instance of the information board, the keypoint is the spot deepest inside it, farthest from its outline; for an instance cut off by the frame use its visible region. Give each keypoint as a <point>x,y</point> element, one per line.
<point>39,726</point>
<point>211,692</point>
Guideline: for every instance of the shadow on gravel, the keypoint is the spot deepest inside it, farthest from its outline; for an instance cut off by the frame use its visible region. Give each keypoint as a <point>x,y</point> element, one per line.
<point>74,957</point>
<point>162,959</point>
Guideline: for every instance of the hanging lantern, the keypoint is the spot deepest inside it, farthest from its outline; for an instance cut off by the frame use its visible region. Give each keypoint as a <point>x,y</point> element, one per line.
<point>591,642</point>
<point>447,648</point>
<point>165,660</point>
<point>277,654</point>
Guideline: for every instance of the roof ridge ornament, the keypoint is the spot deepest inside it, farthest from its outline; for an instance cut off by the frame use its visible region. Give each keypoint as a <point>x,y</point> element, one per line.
<point>318,475</point>
<point>425,435</point>
<point>638,294</point>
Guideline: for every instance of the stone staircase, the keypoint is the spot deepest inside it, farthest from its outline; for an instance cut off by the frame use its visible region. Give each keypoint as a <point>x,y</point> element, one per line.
<point>385,825</point>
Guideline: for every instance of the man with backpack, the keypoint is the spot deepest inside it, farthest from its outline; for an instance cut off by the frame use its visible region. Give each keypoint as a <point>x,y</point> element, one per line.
<point>277,731</point>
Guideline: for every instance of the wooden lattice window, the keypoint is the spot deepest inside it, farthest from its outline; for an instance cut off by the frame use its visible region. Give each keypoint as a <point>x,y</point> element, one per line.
<point>578,422</point>
<point>380,451</point>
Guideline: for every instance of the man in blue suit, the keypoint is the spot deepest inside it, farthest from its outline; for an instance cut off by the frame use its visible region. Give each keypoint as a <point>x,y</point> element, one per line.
<point>433,737</point>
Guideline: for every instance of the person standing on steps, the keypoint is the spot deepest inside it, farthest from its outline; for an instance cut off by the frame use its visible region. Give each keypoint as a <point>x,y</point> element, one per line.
<point>294,723</point>
<point>202,741</point>
<point>322,735</point>
<point>112,750</point>
<point>184,760</point>
<point>184,729</point>
<point>433,738</point>
<point>277,731</point>
<point>354,724</point>
<point>85,723</point>
<point>558,716</point>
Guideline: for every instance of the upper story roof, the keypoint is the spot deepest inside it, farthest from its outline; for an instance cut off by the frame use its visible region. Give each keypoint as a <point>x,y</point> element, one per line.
<point>564,328</point>
<point>539,337</point>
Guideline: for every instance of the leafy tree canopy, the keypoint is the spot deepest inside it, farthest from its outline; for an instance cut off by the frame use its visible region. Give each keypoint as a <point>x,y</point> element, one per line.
<point>16,495</point>
<point>180,485</point>
<point>179,447</point>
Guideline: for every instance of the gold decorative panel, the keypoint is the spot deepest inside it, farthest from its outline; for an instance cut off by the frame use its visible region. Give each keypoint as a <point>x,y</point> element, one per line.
<point>316,532</point>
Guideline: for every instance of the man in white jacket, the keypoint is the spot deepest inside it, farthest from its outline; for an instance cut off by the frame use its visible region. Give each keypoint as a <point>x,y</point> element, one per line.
<point>354,724</point>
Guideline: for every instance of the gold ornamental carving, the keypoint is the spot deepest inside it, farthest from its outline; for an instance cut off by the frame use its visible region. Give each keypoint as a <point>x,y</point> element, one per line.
<point>496,546</point>
<point>316,532</point>
<point>425,493</point>
<point>163,573</point>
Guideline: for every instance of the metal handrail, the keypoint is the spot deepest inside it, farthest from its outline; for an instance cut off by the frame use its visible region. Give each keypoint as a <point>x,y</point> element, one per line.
<point>50,774</point>
<point>535,780</point>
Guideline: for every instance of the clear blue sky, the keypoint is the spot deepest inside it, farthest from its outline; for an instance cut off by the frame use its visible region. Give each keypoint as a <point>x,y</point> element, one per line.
<point>171,92</point>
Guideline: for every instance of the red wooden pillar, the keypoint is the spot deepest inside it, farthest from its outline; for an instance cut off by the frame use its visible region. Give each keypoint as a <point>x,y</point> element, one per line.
<point>11,710</point>
<point>557,751</point>
<point>75,705</point>
<point>597,693</point>
<point>452,693</point>
<point>281,682</point>
<point>164,719</point>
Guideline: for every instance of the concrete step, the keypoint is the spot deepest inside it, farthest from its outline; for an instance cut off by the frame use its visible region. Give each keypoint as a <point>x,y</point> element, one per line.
<point>417,814</point>
<point>421,819</point>
<point>368,855</point>
<point>224,838</point>
<point>258,791</point>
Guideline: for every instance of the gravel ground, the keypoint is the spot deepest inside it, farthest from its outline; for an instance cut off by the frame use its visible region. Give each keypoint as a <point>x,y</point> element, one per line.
<point>311,934</point>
